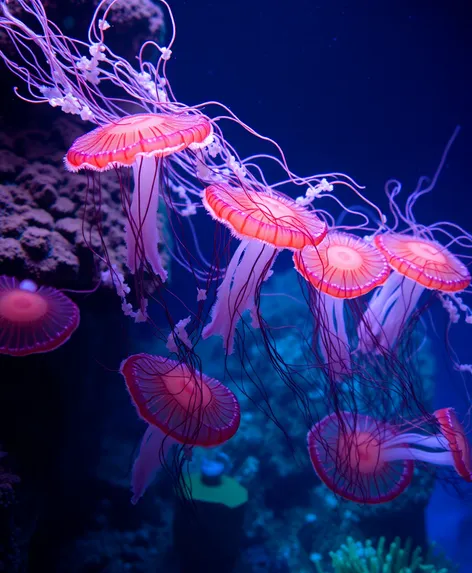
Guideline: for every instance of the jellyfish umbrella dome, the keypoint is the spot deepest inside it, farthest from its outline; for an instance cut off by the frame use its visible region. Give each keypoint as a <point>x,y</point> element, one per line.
<point>265,222</point>
<point>352,455</point>
<point>189,406</point>
<point>34,319</point>
<point>140,141</point>
<point>181,405</point>
<point>424,261</point>
<point>371,461</point>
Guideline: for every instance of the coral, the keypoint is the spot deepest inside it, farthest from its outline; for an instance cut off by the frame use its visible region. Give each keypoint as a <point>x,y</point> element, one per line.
<point>366,557</point>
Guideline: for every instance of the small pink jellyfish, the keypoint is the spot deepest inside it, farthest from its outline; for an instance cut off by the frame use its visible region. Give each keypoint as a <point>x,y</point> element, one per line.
<point>142,142</point>
<point>181,406</point>
<point>34,319</point>
<point>357,457</point>
<point>418,264</point>
<point>341,267</point>
<point>265,222</point>
<point>454,442</point>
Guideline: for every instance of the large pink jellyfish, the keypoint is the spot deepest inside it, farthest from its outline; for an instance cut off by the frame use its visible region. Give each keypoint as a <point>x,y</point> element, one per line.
<point>141,142</point>
<point>34,319</point>
<point>265,222</point>
<point>370,461</point>
<point>340,268</point>
<point>181,406</point>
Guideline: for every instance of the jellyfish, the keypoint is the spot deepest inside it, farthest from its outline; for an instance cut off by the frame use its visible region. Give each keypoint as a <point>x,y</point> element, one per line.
<point>350,454</point>
<point>180,406</point>
<point>447,447</point>
<point>34,319</point>
<point>340,268</point>
<point>455,442</point>
<point>370,461</point>
<point>140,141</point>
<point>418,263</point>
<point>265,222</point>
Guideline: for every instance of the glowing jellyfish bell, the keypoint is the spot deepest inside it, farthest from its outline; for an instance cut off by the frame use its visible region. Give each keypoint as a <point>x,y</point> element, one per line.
<point>418,263</point>
<point>140,141</point>
<point>181,406</point>
<point>34,319</point>
<point>265,222</point>
<point>340,268</point>
<point>350,454</point>
<point>369,461</point>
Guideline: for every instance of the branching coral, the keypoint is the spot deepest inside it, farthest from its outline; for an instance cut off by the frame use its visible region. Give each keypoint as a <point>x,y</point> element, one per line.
<point>355,557</point>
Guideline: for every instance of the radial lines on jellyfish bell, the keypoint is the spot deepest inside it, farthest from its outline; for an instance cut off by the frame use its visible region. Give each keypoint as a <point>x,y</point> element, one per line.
<point>142,142</point>
<point>371,461</point>
<point>265,222</point>
<point>34,319</point>
<point>350,453</point>
<point>181,405</point>
<point>341,267</point>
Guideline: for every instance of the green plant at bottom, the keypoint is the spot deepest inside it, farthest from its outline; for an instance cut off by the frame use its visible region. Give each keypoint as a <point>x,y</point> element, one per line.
<point>356,557</point>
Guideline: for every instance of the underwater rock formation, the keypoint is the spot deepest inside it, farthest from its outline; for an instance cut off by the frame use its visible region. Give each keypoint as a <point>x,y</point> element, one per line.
<point>128,12</point>
<point>140,19</point>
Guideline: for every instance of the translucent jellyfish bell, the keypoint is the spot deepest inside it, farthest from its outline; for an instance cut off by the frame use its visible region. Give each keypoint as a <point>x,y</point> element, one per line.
<point>34,319</point>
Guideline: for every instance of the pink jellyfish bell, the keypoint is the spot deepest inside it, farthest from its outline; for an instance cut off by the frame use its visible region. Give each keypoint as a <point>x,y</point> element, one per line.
<point>140,141</point>
<point>265,222</point>
<point>370,461</point>
<point>34,319</point>
<point>357,457</point>
<point>181,406</point>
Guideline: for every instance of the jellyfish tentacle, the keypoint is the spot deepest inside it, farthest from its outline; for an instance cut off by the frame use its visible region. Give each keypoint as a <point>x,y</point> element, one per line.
<point>141,225</point>
<point>154,449</point>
